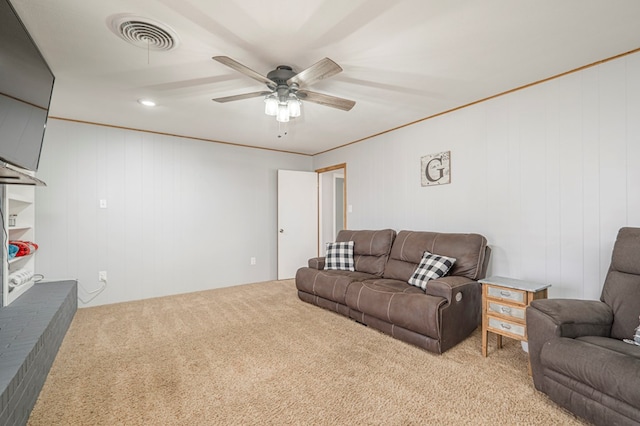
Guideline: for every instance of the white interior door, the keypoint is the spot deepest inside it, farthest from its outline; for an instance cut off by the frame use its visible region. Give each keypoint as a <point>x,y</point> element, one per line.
<point>297,220</point>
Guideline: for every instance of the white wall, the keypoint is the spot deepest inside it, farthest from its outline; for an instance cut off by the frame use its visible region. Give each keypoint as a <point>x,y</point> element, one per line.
<point>182,215</point>
<point>548,174</point>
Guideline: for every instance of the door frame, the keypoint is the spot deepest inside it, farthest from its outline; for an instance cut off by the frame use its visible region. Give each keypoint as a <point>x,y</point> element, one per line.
<point>335,185</point>
<point>322,208</point>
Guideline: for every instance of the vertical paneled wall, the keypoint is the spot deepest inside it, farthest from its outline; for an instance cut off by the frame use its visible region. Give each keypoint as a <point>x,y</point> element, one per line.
<point>548,174</point>
<point>181,216</point>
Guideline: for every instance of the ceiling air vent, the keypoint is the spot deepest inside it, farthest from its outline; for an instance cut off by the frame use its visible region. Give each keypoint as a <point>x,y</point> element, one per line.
<point>143,32</point>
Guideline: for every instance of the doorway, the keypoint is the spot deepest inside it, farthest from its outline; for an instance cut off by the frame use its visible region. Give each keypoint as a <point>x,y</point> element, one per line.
<point>332,204</point>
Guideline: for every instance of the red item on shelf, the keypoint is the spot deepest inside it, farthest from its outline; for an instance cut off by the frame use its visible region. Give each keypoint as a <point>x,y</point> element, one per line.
<point>24,247</point>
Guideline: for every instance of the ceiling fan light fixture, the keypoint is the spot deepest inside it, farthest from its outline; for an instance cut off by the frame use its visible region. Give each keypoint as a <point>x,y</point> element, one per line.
<point>294,107</point>
<point>283,113</point>
<point>270,105</point>
<point>285,85</point>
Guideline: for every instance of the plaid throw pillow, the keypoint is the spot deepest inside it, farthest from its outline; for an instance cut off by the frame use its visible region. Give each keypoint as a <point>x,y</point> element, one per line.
<point>339,256</point>
<point>635,340</point>
<point>431,267</point>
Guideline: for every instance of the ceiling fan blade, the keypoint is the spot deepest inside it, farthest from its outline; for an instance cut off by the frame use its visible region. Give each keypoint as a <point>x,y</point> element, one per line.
<point>231,63</point>
<point>326,100</point>
<point>240,97</point>
<point>322,69</point>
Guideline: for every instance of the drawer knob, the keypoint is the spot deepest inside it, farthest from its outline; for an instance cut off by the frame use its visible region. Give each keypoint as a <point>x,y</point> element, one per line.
<point>505,293</point>
<point>505,326</point>
<point>506,309</point>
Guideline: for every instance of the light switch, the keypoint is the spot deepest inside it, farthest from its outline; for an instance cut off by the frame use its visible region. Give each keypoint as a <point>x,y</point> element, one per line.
<point>103,204</point>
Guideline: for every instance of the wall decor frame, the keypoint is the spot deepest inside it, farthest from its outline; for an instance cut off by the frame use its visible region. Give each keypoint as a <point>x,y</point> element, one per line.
<point>435,169</point>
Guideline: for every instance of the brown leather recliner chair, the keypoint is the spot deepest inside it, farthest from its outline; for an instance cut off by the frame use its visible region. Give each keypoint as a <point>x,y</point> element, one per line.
<point>577,350</point>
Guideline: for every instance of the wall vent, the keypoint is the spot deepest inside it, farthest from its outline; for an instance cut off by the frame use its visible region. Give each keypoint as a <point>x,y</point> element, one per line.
<point>143,32</point>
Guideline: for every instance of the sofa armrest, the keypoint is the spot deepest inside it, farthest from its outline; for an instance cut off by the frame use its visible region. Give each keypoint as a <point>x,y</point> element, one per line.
<point>462,312</point>
<point>573,318</point>
<point>448,286</point>
<point>553,318</point>
<point>316,263</point>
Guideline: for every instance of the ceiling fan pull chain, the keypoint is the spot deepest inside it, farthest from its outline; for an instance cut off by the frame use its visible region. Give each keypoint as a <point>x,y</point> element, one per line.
<point>282,129</point>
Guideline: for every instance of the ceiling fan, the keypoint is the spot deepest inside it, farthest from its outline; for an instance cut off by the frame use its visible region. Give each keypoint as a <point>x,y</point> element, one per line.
<point>286,88</point>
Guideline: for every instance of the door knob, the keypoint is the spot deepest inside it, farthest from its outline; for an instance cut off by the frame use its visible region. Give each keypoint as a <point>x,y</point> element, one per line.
<point>282,231</point>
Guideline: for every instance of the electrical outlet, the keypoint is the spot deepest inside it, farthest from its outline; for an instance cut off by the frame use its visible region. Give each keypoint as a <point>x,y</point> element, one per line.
<point>102,276</point>
<point>253,261</point>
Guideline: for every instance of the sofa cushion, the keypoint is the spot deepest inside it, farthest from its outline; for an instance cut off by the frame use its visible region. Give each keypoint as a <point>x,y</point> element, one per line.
<point>409,246</point>
<point>625,256</point>
<point>339,256</point>
<point>608,369</point>
<point>431,267</point>
<point>621,292</point>
<point>621,288</point>
<point>331,285</point>
<point>611,344</point>
<point>370,249</point>
<point>398,303</point>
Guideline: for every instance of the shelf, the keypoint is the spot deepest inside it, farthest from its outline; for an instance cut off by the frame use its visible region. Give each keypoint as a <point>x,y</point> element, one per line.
<point>19,228</point>
<point>18,259</point>
<point>18,207</point>
<point>15,197</point>
<point>11,176</point>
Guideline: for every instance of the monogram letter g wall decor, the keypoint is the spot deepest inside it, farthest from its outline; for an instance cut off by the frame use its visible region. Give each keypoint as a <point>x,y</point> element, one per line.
<point>436,168</point>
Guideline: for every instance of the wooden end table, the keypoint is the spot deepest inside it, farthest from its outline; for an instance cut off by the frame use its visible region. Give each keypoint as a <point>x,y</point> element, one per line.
<point>504,301</point>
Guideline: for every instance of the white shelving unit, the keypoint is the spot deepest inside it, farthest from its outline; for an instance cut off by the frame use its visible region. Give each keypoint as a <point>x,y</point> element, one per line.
<point>18,211</point>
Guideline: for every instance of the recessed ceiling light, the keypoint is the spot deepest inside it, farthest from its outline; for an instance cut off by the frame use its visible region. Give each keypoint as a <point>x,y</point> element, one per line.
<point>146,102</point>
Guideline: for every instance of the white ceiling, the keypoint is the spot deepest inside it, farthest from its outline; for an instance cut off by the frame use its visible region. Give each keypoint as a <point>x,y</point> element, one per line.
<point>402,60</point>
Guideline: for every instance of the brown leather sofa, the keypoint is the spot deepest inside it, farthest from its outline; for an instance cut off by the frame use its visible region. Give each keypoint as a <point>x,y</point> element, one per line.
<point>377,293</point>
<point>577,350</point>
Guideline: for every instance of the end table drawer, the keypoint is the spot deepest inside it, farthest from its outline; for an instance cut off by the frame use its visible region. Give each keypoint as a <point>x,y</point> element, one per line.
<point>507,327</point>
<point>509,294</point>
<point>509,311</point>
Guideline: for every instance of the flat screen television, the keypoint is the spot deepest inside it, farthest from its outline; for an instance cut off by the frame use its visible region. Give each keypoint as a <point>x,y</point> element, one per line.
<point>26,84</point>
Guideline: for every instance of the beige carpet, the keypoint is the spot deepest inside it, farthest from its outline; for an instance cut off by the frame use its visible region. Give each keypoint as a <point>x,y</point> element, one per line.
<point>256,354</point>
